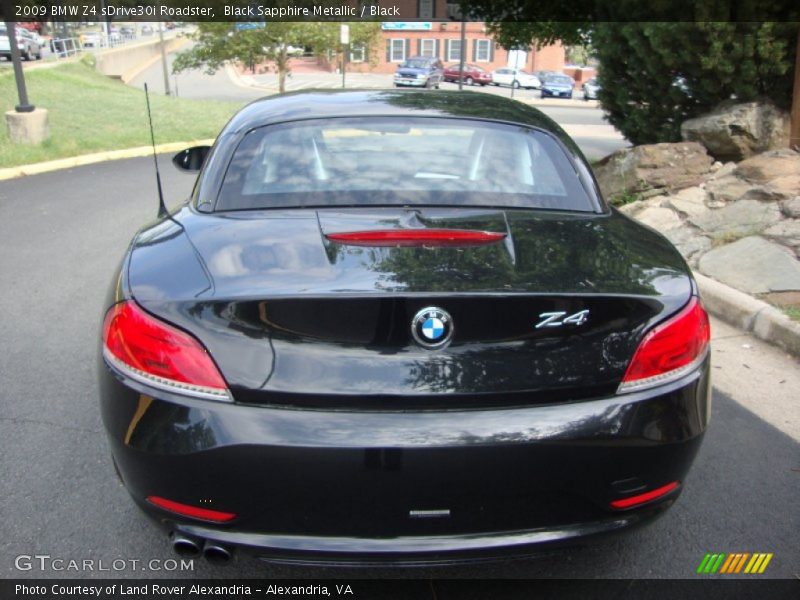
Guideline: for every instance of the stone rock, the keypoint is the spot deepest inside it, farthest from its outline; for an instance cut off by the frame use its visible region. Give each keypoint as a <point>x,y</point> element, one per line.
<point>766,167</point>
<point>659,218</point>
<point>633,208</point>
<point>690,202</point>
<point>786,232</point>
<point>727,169</point>
<point>665,167</point>
<point>786,186</point>
<point>753,265</point>
<point>732,188</point>
<point>737,131</point>
<point>745,217</point>
<point>688,241</point>
<point>791,207</point>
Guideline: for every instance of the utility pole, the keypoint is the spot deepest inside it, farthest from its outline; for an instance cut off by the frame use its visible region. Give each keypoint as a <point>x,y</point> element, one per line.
<point>463,52</point>
<point>344,38</point>
<point>163,58</point>
<point>24,106</point>
<point>794,132</point>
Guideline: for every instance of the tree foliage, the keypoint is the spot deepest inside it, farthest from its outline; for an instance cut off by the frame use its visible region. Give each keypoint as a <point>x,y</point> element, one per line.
<point>219,43</point>
<point>654,76</point>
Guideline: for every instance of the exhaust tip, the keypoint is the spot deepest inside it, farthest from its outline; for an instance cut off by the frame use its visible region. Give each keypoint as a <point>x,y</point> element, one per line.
<point>215,553</point>
<point>186,546</point>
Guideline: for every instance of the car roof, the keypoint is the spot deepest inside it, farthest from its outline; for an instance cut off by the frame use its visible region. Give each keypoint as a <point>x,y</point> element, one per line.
<point>321,104</point>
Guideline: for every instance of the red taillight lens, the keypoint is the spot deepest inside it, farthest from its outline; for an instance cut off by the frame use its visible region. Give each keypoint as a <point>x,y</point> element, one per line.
<point>670,349</point>
<point>187,510</point>
<point>152,351</point>
<point>639,499</point>
<point>416,237</point>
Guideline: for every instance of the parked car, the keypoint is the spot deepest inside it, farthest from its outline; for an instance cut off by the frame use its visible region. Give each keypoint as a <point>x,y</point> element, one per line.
<point>29,48</point>
<point>516,78</point>
<point>420,71</point>
<point>590,89</point>
<point>473,74</point>
<point>147,30</point>
<point>92,39</point>
<point>557,86</point>
<point>395,326</point>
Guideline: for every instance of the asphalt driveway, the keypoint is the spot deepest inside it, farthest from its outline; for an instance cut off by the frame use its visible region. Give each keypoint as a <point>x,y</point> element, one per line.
<point>61,235</point>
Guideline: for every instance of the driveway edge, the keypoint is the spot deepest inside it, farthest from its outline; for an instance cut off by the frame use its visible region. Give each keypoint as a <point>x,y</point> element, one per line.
<point>89,159</point>
<point>754,316</point>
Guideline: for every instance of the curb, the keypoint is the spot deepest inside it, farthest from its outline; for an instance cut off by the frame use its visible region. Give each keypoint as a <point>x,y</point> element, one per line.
<point>238,80</point>
<point>749,314</point>
<point>90,159</point>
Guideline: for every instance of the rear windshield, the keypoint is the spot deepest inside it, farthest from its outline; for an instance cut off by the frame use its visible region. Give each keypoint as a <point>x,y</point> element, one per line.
<point>420,63</point>
<point>379,161</point>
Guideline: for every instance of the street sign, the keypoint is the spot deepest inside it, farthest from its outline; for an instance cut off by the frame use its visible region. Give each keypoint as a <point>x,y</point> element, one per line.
<point>344,34</point>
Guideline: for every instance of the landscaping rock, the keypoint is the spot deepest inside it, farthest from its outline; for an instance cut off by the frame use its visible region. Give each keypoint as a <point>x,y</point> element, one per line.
<point>753,265</point>
<point>745,217</point>
<point>769,166</point>
<point>732,188</point>
<point>791,207</point>
<point>689,242</point>
<point>786,232</point>
<point>665,167</point>
<point>737,131</point>
<point>659,218</point>
<point>690,202</point>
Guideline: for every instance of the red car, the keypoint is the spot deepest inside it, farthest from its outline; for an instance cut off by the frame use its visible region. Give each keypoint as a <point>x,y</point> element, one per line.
<point>472,74</point>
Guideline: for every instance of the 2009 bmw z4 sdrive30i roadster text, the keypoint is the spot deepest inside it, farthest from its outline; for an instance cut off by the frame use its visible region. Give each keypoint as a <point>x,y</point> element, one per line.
<point>400,326</point>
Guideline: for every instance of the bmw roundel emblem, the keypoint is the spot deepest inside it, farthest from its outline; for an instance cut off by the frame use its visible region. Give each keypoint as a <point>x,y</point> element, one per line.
<point>432,327</point>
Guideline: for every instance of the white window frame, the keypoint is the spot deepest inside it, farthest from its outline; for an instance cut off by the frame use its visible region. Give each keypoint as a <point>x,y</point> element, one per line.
<point>358,53</point>
<point>392,46</point>
<point>422,49</point>
<point>450,56</point>
<point>483,46</point>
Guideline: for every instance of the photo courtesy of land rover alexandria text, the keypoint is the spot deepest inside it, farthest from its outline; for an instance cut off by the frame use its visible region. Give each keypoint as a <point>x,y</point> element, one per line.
<point>399,326</point>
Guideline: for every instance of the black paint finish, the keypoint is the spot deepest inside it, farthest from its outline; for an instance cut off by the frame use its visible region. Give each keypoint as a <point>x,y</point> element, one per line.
<point>341,424</point>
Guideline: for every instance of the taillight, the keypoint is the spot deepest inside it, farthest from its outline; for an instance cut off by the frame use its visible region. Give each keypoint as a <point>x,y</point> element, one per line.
<point>670,349</point>
<point>158,354</point>
<point>416,237</point>
<point>639,499</point>
<point>195,512</point>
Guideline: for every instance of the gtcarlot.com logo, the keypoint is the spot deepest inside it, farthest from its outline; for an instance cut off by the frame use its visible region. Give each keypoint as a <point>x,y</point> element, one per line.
<point>46,562</point>
<point>739,563</point>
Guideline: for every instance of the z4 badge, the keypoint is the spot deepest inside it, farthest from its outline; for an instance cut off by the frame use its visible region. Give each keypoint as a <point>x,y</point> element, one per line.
<point>558,319</point>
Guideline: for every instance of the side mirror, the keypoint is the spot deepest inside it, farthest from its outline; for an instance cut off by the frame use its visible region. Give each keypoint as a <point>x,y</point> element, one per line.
<point>191,160</point>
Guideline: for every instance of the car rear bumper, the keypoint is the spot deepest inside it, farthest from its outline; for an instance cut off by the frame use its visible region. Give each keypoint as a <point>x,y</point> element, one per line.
<point>319,487</point>
<point>412,82</point>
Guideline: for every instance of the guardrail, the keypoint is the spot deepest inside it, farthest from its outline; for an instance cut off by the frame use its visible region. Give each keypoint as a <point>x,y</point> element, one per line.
<point>64,47</point>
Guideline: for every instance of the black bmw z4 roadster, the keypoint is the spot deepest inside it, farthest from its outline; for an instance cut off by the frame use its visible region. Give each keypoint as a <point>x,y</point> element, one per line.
<point>404,327</point>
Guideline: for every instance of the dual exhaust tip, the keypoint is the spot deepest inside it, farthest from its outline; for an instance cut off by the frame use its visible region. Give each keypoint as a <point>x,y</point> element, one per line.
<point>189,546</point>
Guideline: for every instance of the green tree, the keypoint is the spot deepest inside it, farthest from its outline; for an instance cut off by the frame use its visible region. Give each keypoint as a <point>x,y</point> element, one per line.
<point>654,76</point>
<point>218,43</point>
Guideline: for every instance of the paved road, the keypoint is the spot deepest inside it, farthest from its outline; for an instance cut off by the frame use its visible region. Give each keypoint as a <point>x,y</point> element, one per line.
<point>61,236</point>
<point>583,122</point>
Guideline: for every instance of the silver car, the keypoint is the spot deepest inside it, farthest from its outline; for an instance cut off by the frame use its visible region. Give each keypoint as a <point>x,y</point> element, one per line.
<point>29,48</point>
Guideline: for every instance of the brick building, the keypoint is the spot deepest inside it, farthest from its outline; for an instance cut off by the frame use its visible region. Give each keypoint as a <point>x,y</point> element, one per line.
<point>403,39</point>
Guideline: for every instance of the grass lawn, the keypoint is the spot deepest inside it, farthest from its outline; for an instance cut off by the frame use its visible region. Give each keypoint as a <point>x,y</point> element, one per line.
<point>90,112</point>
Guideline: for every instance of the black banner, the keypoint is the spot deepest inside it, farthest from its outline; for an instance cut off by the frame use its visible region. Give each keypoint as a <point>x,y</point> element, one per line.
<point>405,589</point>
<point>264,11</point>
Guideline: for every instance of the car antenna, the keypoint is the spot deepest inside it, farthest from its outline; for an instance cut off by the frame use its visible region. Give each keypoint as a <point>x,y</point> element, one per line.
<point>162,209</point>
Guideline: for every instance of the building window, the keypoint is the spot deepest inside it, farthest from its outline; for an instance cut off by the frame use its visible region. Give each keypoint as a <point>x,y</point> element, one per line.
<point>397,50</point>
<point>453,50</point>
<point>483,51</point>
<point>358,53</point>
<point>427,47</point>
